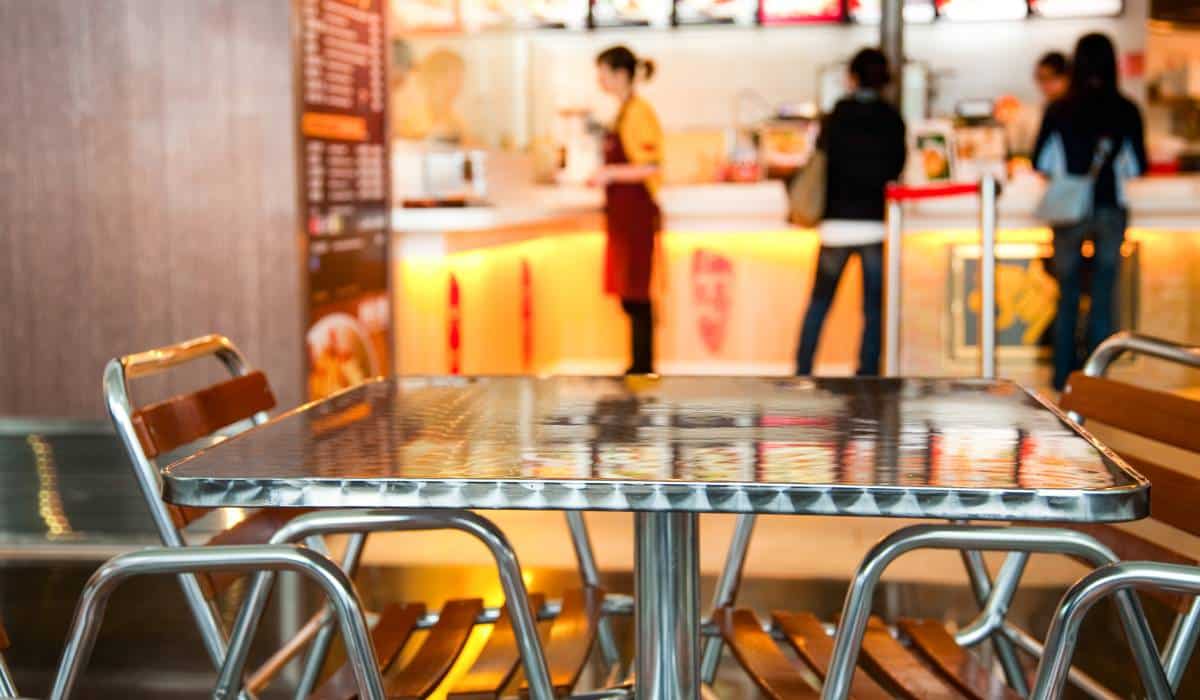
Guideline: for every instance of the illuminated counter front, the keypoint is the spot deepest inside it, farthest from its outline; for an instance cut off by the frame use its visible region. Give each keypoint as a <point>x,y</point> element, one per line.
<point>508,291</point>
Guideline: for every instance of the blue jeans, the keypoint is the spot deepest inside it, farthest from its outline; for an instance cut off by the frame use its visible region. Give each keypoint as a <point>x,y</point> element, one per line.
<point>830,264</point>
<point>1106,226</point>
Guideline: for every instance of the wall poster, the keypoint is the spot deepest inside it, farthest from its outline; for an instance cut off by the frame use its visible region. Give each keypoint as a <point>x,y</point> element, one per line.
<point>1026,298</point>
<point>342,141</point>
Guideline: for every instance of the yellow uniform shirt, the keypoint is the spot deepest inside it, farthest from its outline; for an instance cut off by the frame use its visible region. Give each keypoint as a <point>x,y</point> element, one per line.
<point>641,137</point>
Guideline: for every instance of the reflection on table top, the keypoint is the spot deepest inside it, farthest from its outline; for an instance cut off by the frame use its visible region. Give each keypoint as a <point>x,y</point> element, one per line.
<point>910,447</point>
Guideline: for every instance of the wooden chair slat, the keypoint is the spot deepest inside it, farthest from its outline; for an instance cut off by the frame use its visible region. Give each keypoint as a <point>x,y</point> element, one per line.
<point>497,663</point>
<point>807,636</point>
<point>571,638</point>
<point>890,660</point>
<point>178,421</point>
<point>1173,494</point>
<point>760,657</point>
<point>393,630</point>
<point>257,528</point>
<point>1160,416</point>
<point>4,643</point>
<point>439,652</point>
<point>930,638</point>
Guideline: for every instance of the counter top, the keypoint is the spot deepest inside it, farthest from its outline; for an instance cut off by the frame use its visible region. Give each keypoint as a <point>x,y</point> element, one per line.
<point>1157,202</point>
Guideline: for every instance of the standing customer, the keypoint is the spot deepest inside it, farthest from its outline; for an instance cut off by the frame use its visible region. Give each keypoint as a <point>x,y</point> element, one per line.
<point>864,144</point>
<point>1093,125</point>
<point>630,178</point>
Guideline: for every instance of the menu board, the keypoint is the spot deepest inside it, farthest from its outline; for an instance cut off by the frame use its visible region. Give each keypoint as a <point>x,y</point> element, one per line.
<point>743,12</point>
<point>800,11</point>
<point>343,190</point>
<point>1077,8</point>
<point>630,13</point>
<point>871,11</point>
<point>982,10</point>
<point>563,14</point>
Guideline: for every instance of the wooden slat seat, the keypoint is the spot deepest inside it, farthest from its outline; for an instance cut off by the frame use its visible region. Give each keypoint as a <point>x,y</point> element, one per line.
<point>761,658</point>
<point>497,663</point>
<point>437,655</point>
<point>807,636</point>
<point>396,624</point>
<point>901,669</point>
<point>960,667</point>
<point>571,638</point>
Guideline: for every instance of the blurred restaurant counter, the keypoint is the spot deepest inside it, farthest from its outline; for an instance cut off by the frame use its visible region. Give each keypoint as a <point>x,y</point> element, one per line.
<point>516,287</point>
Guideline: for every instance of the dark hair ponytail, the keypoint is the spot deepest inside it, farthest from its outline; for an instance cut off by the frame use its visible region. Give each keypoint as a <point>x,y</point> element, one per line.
<point>647,67</point>
<point>621,59</point>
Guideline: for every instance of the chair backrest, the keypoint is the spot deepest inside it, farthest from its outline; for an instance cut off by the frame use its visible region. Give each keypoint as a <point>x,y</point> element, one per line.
<point>150,431</point>
<point>147,432</point>
<point>1158,416</point>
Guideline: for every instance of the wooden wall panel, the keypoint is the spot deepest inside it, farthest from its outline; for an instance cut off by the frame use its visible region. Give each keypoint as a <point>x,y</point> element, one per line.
<point>147,191</point>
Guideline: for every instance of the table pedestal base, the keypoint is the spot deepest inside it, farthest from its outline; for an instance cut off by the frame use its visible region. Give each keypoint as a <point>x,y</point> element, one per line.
<point>667,606</point>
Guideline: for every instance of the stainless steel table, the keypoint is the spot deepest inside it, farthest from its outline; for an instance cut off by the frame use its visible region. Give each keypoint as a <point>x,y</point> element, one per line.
<point>667,450</point>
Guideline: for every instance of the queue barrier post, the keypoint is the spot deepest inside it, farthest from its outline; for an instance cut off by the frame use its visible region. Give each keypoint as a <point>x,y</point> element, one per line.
<point>987,190</point>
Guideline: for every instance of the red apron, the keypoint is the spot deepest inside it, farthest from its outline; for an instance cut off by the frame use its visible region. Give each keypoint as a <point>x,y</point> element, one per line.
<point>632,221</point>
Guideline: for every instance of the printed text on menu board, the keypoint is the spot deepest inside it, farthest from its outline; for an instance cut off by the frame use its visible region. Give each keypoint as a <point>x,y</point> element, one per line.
<point>343,49</point>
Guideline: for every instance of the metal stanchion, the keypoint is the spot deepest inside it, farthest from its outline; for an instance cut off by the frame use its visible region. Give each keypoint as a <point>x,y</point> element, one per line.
<point>987,277</point>
<point>894,225</point>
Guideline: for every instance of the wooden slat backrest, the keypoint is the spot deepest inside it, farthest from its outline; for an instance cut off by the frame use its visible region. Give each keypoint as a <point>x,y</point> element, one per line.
<point>3,637</point>
<point>910,678</point>
<point>439,652</point>
<point>178,421</point>
<point>956,664</point>
<point>762,659</point>
<point>808,639</point>
<point>1158,416</point>
<point>496,665</point>
<point>389,635</point>
<point>571,637</point>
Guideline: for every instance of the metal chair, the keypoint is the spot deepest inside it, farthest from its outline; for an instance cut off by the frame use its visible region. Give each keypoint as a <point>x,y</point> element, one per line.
<point>923,659</point>
<point>361,668</point>
<point>151,431</point>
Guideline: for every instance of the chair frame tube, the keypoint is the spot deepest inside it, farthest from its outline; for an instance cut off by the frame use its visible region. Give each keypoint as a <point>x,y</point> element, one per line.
<point>332,580</point>
<point>848,640</point>
<point>523,617</point>
<point>1116,579</point>
<point>8,688</point>
<point>120,409</point>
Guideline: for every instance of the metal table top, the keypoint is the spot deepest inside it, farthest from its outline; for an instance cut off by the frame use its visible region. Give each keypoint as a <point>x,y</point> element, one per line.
<point>938,448</point>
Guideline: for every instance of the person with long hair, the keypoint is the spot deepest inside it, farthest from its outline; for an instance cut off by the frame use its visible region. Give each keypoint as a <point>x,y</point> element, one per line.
<point>1093,129</point>
<point>631,177</point>
<point>864,144</point>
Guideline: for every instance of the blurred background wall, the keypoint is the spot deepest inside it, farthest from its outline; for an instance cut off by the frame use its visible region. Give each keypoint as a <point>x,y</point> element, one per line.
<point>147,190</point>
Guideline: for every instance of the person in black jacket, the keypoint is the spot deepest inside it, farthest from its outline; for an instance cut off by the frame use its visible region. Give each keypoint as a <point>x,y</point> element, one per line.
<point>1093,123</point>
<point>864,144</point>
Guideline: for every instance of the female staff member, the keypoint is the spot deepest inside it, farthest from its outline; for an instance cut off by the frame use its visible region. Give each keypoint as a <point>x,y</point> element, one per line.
<point>630,177</point>
<point>1094,128</point>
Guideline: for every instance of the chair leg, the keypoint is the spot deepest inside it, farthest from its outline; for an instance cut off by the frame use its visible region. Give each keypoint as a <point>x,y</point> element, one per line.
<point>585,558</point>
<point>726,594</point>
<point>320,646</point>
<point>1079,599</point>
<point>856,610</point>
<point>341,522</point>
<point>994,612</point>
<point>324,573</point>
